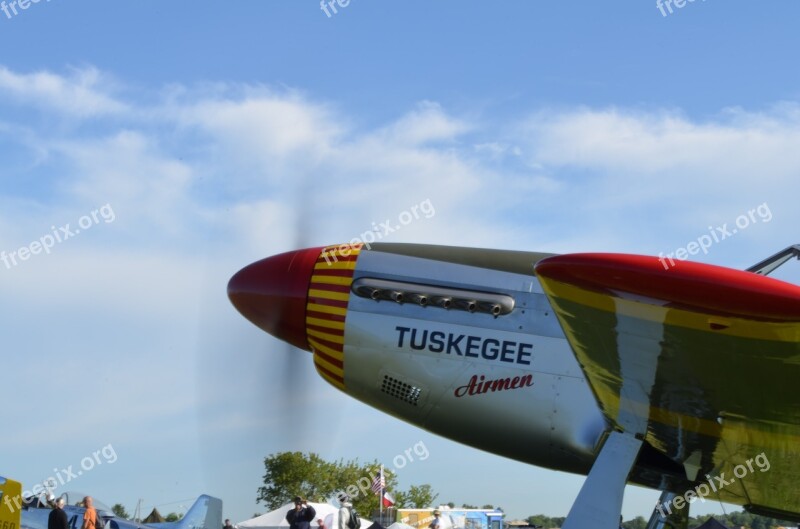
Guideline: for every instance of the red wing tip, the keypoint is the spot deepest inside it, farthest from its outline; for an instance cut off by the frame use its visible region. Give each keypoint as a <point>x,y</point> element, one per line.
<point>695,286</point>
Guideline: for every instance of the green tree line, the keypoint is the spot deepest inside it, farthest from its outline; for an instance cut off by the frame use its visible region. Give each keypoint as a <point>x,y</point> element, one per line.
<point>738,519</point>
<point>734,520</point>
<point>119,511</point>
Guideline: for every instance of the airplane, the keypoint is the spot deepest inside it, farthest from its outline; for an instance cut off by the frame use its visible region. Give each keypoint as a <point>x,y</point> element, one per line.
<point>677,376</point>
<point>20,512</point>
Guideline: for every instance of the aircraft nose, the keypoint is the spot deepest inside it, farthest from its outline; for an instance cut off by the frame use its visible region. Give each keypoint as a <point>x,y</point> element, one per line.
<point>273,293</point>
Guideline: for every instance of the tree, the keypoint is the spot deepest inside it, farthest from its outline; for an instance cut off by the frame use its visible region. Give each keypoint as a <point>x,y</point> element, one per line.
<point>468,506</point>
<point>417,497</point>
<point>173,517</point>
<point>290,474</point>
<point>119,511</point>
<point>544,521</point>
<point>538,520</point>
<point>637,523</point>
<point>487,506</point>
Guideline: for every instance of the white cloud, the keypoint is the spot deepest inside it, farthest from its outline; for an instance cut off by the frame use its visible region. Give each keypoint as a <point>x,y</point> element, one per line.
<point>253,169</point>
<point>129,171</point>
<point>666,143</point>
<point>83,94</point>
<point>426,124</point>
<point>264,129</point>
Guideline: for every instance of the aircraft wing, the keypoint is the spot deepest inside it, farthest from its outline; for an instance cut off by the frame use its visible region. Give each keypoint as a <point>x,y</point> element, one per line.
<point>699,361</point>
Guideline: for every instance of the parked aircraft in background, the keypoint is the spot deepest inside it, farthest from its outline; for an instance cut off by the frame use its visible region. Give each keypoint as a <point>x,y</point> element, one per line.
<point>205,513</point>
<point>678,378</point>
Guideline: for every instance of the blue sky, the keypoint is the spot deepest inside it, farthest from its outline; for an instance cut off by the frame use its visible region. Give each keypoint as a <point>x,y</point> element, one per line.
<point>203,136</point>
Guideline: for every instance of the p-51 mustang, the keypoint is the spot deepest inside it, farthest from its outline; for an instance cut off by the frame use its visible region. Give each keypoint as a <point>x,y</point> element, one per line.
<point>681,378</point>
<point>17,512</point>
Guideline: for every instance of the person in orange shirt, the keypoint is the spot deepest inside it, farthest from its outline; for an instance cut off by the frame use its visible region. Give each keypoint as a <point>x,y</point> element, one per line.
<point>90,516</point>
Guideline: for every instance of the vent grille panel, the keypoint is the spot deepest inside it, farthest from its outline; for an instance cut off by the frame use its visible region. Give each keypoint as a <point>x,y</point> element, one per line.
<point>401,390</point>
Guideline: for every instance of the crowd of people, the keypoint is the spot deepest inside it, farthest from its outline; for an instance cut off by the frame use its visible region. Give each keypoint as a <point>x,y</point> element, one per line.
<point>301,516</point>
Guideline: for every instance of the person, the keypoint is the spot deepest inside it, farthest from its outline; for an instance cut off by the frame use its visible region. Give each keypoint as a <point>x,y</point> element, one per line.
<point>321,524</point>
<point>227,524</point>
<point>58,518</point>
<point>90,516</point>
<point>302,515</point>
<point>344,510</point>
<point>436,523</point>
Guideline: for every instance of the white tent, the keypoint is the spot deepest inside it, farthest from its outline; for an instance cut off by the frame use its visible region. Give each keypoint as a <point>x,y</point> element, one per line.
<point>277,518</point>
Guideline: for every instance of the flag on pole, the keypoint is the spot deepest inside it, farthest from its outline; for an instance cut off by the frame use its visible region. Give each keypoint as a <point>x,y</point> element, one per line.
<point>388,501</point>
<point>379,482</point>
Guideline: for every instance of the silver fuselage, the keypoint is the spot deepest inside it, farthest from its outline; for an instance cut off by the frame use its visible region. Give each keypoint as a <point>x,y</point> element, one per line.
<point>507,384</point>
